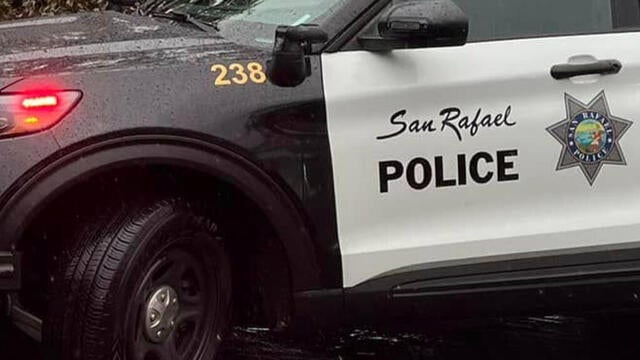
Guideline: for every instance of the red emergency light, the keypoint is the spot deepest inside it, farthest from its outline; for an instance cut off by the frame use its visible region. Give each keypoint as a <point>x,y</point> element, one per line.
<point>29,112</point>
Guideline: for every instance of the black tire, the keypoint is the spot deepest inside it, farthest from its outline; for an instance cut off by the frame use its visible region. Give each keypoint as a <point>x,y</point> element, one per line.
<point>120,259</point>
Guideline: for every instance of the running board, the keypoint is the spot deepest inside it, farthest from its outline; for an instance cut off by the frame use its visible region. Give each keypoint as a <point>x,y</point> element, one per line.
<point>520,280</point>
<point>406,301</point>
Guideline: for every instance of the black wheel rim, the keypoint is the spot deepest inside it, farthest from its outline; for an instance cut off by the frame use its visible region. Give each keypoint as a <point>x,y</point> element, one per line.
<point>183,269</point>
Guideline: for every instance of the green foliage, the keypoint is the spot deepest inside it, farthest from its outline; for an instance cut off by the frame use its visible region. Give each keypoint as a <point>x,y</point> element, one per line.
<point>17,9</point>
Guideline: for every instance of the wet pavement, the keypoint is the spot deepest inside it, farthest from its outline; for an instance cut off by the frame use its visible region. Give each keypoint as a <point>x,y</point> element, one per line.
<point>611,336</point>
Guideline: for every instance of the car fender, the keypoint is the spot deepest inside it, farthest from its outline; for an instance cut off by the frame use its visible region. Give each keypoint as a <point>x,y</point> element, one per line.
<point>59,172</point>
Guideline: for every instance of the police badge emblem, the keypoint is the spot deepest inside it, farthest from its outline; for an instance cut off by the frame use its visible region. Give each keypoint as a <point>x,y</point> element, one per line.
<point>589,136</point>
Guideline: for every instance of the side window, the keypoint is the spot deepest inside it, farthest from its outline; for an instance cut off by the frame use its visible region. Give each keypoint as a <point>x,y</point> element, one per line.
<point>513,19</point>
<point>507,19</point>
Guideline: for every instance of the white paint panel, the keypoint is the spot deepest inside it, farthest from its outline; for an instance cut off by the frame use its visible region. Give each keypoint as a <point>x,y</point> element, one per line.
<point>545,210</point>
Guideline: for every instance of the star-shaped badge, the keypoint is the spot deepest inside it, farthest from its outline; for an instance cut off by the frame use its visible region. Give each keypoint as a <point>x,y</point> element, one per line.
<point>589,136</point>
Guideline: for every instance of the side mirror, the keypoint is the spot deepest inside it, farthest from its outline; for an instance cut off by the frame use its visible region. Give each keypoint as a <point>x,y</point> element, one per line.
<point>290,65</point>
<point>419,24</point>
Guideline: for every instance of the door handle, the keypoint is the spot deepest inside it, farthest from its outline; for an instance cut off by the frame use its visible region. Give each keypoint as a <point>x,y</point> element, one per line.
<point>603,67</point>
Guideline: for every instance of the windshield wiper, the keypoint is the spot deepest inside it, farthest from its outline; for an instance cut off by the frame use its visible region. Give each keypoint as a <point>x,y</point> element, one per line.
<point>184,18</point>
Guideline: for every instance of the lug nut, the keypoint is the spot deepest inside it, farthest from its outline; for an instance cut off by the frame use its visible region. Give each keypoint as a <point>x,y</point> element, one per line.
<point>161,308</point>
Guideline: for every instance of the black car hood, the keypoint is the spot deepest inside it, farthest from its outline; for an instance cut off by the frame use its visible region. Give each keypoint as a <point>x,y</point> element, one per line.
<point>106,40</point>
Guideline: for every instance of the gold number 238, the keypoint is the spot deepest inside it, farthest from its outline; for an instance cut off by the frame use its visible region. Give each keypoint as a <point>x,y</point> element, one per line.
<point>253,72</point>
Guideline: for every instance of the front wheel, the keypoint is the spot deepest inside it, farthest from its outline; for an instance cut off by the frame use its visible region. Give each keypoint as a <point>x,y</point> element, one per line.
<point>141,283</point>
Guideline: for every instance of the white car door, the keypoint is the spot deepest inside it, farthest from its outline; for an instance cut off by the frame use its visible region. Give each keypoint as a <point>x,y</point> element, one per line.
<point>477,152</point>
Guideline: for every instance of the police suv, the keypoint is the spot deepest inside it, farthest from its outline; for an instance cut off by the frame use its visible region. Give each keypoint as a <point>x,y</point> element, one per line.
<point>302,164</point>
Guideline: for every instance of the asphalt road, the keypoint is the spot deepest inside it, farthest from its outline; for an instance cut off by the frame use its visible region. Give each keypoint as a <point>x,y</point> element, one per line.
<point>553,337</point>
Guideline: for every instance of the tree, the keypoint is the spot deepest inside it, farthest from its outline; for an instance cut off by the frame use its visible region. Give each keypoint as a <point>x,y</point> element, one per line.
<point>16,9</point>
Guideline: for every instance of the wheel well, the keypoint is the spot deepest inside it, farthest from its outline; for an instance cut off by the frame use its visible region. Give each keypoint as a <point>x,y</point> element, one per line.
<point>260,270</point>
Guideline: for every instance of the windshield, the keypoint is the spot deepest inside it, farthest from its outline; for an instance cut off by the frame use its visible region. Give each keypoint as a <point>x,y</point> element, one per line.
<point>252,21</point>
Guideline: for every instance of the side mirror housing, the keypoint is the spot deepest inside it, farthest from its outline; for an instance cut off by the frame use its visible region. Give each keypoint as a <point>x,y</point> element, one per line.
<point>289,65</point>
<point>419,24</point>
